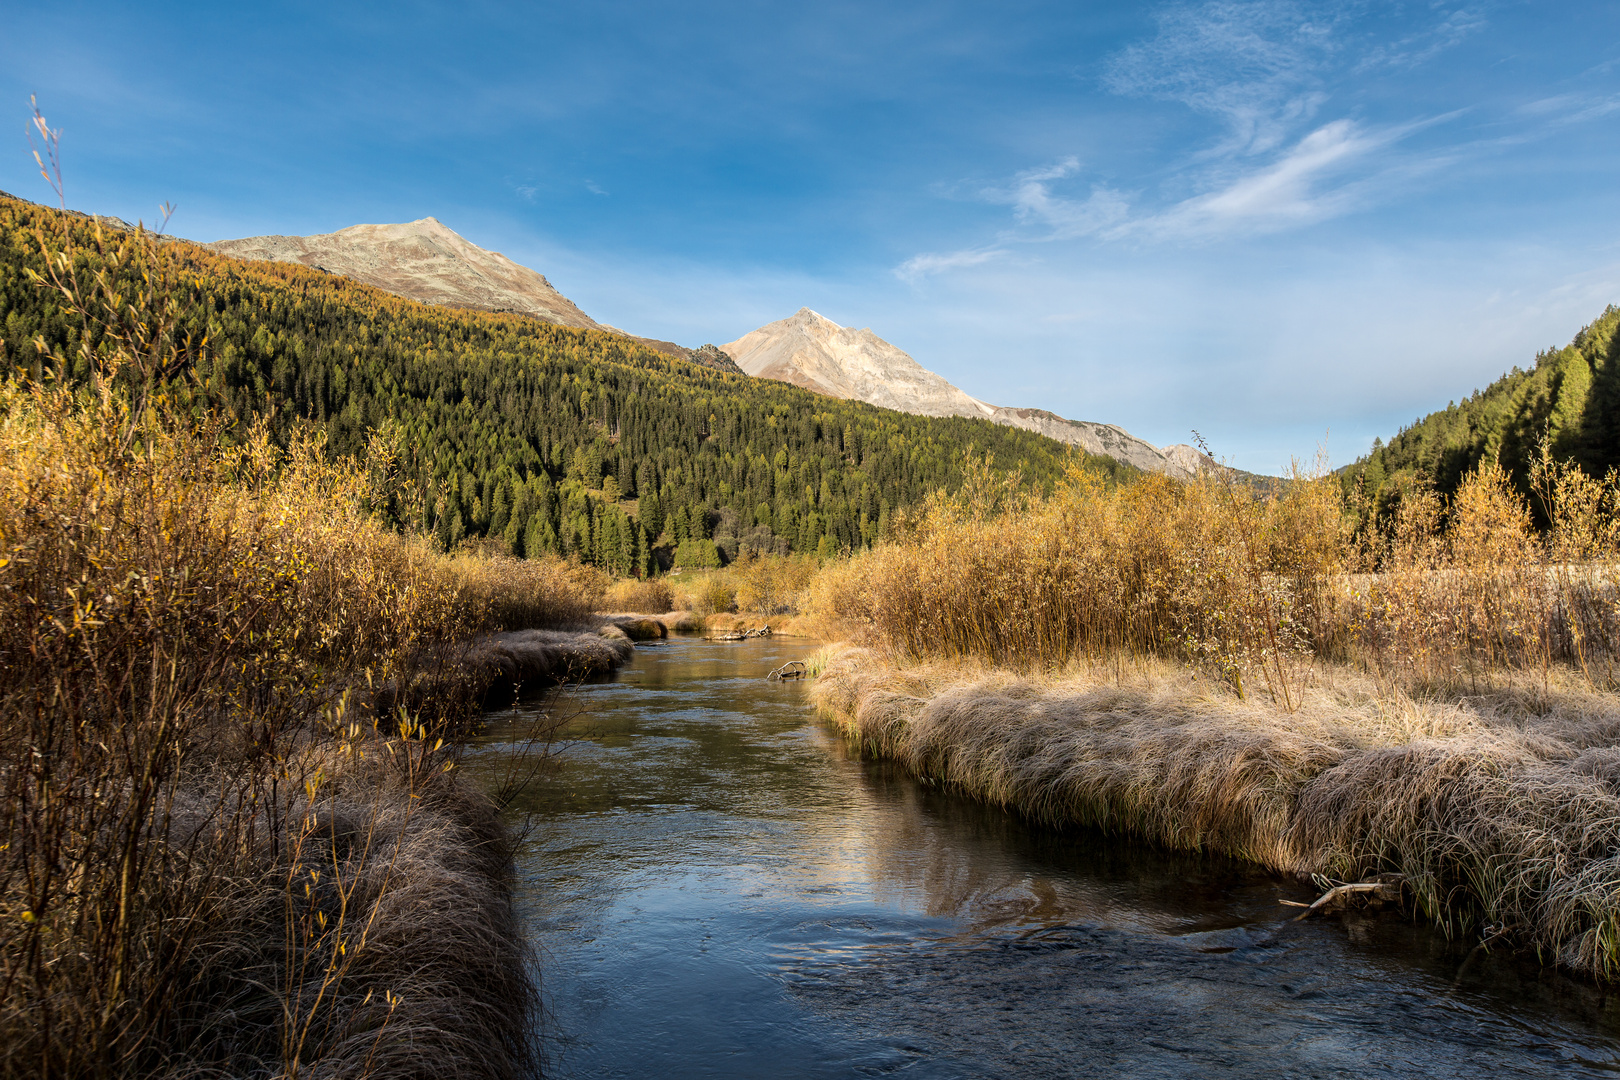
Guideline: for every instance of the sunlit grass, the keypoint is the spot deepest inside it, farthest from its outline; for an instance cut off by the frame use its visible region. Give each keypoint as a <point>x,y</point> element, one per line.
<point>1203,667</point>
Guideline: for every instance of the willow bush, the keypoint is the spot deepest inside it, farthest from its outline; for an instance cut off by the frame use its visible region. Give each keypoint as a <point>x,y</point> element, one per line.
<point>1249,584</point>
<point>211,841</point>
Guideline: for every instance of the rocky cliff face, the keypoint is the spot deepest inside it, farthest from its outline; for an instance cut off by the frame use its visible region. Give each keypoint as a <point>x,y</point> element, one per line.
<point>812,351</point>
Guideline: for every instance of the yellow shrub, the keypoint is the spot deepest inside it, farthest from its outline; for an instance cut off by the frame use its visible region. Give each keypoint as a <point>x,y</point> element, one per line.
<point>650,596</point>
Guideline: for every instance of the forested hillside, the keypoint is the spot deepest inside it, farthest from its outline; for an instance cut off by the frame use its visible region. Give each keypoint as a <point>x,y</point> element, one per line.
<point>1570,398</point>
<point>548,438</point>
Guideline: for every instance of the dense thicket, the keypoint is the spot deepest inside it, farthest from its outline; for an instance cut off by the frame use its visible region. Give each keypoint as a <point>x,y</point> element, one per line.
<point>549,438</point>
<point>1570,399</point>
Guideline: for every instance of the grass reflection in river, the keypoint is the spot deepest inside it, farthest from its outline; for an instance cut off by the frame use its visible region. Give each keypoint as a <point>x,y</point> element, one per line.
<point>718,888</point>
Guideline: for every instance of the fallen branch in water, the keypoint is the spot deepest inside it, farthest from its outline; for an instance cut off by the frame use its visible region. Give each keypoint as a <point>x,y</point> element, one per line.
<point>1383,887</point>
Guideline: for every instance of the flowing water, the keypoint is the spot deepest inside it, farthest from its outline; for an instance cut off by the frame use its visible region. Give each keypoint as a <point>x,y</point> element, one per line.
<point>719,888</point>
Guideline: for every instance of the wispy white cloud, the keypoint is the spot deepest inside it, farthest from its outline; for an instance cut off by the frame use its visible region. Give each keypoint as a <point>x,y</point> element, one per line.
<point>1033,201</point>
<point>1321,176</point>
<point>918,267</point>
<point>594,188</point>
<point>1261,69</point>
<point>1255,64</point>
<point>1570,108</point>
<point>1333,170</point>
<point>1427,43</point>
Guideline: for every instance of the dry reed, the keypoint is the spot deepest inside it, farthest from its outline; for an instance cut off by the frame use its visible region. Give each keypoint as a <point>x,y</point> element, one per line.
<point>645,596</point>
<point>1250,587</point>
<point>755,584</point>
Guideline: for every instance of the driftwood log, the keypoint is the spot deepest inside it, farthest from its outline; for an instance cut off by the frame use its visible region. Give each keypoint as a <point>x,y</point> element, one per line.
<point>743,635</point>
<point>1385,888</point>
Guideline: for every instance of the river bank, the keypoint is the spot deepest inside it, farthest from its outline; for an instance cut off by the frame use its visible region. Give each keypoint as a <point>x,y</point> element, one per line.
<point>1499,809</point>
<point>721,888</point>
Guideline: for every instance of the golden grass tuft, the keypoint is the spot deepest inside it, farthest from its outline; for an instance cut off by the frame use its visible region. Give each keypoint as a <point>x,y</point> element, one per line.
<point>1500,809</point>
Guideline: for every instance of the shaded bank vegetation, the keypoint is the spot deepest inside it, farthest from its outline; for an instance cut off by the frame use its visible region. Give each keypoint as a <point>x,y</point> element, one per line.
<point>1211,669</point>
<point>233,837</point>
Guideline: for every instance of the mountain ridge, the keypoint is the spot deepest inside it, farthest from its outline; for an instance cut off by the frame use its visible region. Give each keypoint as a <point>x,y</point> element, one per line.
<point>809,350</point>
<point>427,261</point>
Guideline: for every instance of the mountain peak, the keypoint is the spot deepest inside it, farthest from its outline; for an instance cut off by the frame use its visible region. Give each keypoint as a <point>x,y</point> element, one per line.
<point>809,350</point>
<point>426,260</point>
<point>423,260</point>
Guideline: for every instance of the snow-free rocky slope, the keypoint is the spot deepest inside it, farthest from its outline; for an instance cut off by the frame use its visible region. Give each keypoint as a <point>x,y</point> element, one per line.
<point>812,351</point>
<point>427,261</point>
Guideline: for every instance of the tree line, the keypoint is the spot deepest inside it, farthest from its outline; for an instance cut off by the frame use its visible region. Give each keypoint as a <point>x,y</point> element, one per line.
<point>541,437</point>
<point>1567,401</point>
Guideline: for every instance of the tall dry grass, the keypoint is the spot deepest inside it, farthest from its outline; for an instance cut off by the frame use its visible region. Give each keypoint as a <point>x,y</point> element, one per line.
<point>1457,591</point>
<point>773,584</point>
<point>647,596</point>
<point>1501,809</point>
<point>755,584</point>
<point>217,853</point>
<point>1157,567</point>
<point>1252,587</point>
<point>703,592</point>
<point>1211,668</point>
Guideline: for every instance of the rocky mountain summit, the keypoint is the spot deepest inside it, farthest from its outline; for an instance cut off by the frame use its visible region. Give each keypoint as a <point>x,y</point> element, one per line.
<point>1190,458</point>
<point>422,260</point>
<point>426,260</point>
<point>810,350</point>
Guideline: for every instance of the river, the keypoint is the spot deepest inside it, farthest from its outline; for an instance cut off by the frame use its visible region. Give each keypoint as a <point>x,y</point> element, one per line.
<point>719,888</point>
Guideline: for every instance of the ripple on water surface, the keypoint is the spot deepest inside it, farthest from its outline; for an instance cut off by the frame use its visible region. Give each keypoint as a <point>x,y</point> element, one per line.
<point>719,890</point>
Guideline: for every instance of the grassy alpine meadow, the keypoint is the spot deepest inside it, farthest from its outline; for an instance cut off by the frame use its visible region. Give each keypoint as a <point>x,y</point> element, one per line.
<point>1208,667</point>
<point>233,836</point>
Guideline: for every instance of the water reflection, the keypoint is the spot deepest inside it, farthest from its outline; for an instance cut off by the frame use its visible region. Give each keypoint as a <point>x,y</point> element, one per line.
<point>719,889</point>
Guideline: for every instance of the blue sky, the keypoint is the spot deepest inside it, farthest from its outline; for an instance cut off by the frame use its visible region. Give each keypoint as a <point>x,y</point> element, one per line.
<point>1270,221</point>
